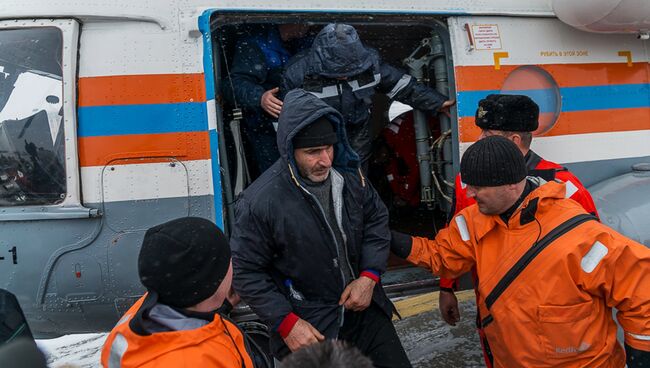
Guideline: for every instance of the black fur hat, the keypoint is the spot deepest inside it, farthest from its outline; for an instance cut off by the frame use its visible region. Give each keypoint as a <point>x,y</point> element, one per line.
<point>513,113</point>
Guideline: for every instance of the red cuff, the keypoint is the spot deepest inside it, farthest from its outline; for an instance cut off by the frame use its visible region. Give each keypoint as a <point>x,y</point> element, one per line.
<point>447,283</point>
<point>373,276</point>
<point>287,324</point>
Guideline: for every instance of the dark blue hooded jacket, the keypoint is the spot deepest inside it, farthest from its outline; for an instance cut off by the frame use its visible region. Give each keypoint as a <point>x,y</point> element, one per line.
<point>338,52</point>
<point>280,232</point>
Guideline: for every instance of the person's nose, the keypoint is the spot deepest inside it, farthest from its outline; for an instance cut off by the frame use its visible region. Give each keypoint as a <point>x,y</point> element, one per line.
<point>325,159</point>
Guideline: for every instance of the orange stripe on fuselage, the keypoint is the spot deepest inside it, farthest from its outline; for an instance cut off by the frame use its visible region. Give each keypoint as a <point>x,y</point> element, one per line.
<point>578,122</point>
<point>473,78</point>
<point>141,89</point>
<point>147,148</point>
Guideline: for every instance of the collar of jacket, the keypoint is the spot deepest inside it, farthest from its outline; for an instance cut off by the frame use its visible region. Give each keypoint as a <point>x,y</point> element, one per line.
<point>138,324</point>
<point>541,199</point>
<point>297,182</point>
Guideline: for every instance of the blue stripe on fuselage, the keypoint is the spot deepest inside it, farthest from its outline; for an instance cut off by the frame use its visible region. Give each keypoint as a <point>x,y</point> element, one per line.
<point>619,96</point>
<point>142,119</point>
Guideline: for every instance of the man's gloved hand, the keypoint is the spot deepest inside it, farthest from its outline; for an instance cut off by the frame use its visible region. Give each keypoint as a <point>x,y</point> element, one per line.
<point>302,334</point>
<point>448,304</point>
<point>271,104</point>
<point>358,295</point>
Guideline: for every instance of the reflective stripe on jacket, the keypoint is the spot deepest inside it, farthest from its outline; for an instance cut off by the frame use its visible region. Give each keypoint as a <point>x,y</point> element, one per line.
<point>558,311</point>
<point>218,344</point>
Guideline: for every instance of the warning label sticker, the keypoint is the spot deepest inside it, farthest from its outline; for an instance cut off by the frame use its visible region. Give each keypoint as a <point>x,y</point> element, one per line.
<point>486,37</point>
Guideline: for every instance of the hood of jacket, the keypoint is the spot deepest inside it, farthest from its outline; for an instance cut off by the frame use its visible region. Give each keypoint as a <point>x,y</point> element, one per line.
<point>301,109</point>
<point>338,52</point>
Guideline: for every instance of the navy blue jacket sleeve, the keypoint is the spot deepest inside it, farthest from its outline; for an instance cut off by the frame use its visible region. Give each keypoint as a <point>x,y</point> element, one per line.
<point>376,233</point>
<point>404,88</point>
<point>252,254</point>
<point>637,358</point>
<point>249,71</point>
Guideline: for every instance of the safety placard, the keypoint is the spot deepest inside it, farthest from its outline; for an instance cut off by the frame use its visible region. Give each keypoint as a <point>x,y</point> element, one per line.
<point>486,37</point>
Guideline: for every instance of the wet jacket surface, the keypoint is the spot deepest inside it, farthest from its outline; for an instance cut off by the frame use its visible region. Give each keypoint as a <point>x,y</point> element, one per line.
<point>537,166</point>
<point>131,343</point>
<point>316,71</point>
<point>257,66</point>
<point>281,233</point>
<point>558,311</point>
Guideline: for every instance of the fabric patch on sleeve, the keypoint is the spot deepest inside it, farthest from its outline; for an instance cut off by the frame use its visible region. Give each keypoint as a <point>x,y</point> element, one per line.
<point>571,189</point>
<point>400,85</point>
<point>462,227</point>
<point>118,348</point>
<point>597,252</point>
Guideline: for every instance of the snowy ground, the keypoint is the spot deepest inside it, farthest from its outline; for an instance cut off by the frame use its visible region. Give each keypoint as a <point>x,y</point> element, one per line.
<point>429,342</point>
<point>73,350</point>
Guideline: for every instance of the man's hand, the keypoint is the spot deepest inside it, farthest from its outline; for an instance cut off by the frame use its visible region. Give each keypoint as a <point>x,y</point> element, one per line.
<point>449,307</point>
<point>358,295</point>
<point>271,104</point>
<point>445,107</point>
<point>302,334</point>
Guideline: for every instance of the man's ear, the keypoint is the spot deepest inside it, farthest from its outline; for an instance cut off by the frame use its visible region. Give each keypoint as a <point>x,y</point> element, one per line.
<point>516,139</point>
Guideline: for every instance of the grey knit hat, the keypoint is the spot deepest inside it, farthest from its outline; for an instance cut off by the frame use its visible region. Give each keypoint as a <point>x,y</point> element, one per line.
<point>491,162</point>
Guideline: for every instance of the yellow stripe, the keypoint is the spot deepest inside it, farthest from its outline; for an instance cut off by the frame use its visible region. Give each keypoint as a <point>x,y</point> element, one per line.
<point>415,305</point>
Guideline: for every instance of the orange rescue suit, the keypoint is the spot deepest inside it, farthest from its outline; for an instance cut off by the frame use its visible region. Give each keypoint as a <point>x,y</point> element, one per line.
<point>218,344</point>
<point>558,311</point>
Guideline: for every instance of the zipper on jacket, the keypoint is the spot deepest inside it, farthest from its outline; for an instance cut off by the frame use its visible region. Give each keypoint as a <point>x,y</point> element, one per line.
<point>340,88</point>
<point>322,211</point>
<point>345,249</point>
<point>329,227</point>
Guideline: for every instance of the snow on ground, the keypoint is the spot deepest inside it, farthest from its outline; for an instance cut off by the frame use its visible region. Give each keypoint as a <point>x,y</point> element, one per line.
<point>428,341</point>
<point>81,351</point>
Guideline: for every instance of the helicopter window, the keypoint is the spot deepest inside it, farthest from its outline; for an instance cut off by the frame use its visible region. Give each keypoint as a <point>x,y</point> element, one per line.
<point>32,152</point>
<point>539,85</point>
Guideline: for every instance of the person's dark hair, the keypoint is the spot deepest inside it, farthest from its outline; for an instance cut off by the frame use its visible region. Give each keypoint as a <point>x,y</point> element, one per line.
<point>526,137</point>
<point>327,354</point>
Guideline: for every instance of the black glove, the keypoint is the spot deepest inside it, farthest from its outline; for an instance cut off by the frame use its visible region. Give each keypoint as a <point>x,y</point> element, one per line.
<point>400,244</point>
<point>637,358</point>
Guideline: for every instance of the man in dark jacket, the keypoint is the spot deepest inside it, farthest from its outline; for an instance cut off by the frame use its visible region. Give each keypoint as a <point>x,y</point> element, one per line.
<point>345,74</point>
<point>311,240</point>
<point>256,74</point>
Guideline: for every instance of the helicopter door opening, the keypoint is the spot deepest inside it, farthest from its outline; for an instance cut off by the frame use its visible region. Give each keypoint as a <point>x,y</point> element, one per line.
<point>412,161</point>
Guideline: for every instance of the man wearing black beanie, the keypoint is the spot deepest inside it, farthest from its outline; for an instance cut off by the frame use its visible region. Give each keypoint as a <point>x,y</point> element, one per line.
<point>185,266</point>
<point>514,117</point>
<point>311,240</point>
<point>549,272</point>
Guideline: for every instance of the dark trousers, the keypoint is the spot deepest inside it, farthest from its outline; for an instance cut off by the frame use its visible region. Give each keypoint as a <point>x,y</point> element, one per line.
<point>372,332</point>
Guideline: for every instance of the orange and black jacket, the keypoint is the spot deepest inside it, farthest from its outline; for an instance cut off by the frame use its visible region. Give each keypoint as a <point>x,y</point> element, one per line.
<point>554,309</point>
<point>537,167</point>
<point>136,341</point>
